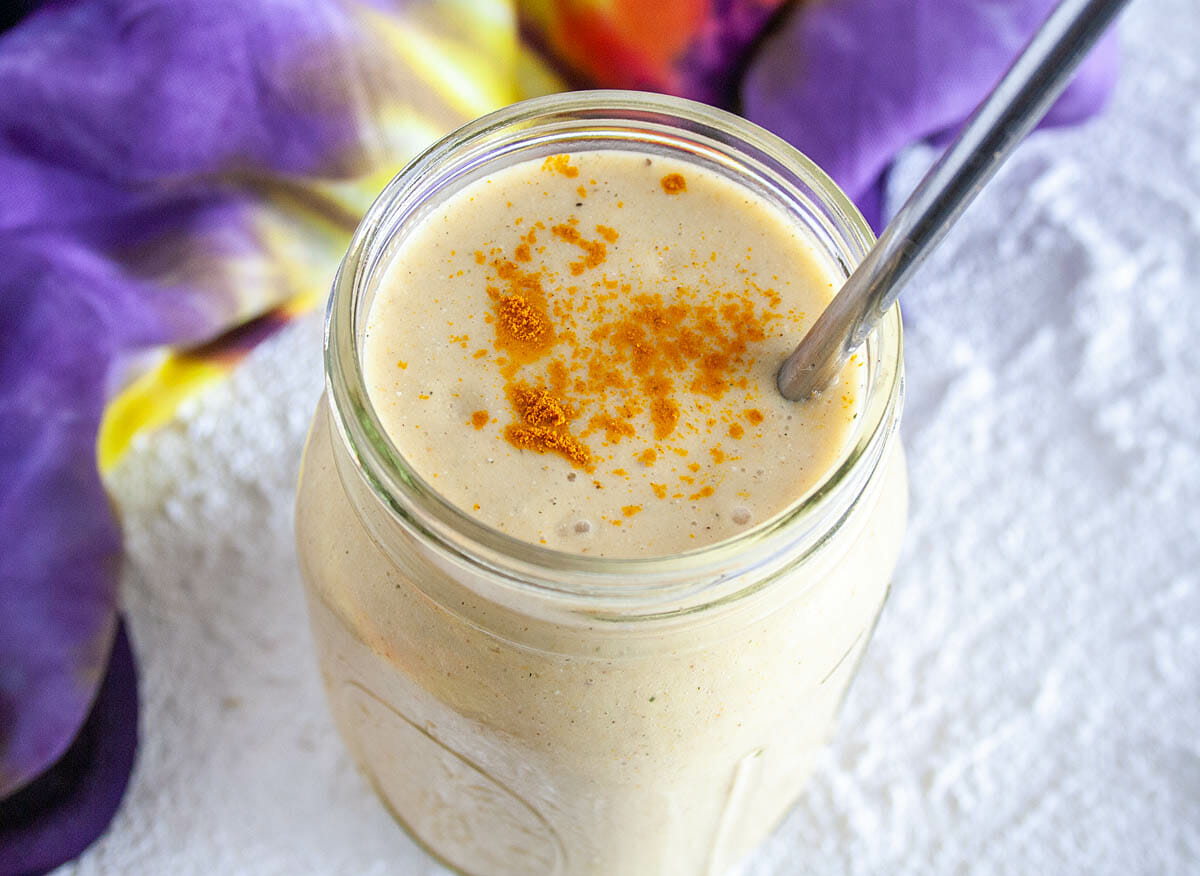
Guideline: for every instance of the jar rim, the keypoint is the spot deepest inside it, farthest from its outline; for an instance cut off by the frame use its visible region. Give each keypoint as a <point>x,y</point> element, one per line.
<point>521,564</point>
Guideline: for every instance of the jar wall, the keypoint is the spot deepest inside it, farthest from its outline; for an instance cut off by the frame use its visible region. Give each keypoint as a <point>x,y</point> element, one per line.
<point>504,754</point>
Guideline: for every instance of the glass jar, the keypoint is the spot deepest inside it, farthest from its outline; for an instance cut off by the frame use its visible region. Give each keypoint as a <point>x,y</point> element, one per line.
<point>526,711</point>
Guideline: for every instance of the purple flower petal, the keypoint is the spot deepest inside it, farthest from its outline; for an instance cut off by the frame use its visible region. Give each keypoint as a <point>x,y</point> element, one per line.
<point>852,82</point>
<point>154,90</point>
<point>120,231</point>
<point>59,815</point>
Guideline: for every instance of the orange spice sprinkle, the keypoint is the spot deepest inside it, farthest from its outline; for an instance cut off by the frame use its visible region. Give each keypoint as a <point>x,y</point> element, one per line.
<point>522,320</point>
<point>401,364</point>
<point>536,407</point>
<point>630,510</point>
<point>479,354</point>
<point>559,377</point>
<point>614,429</point>
<point>560,164</point>
<point>674,183</point>
<point>595,252</point>
<point>754,415</point>
<point>543,426</point>
<point>703,493</point>
<point>542,440</point>
<point>622,361</point>
<point>664,414</point>
<point>479,419</point>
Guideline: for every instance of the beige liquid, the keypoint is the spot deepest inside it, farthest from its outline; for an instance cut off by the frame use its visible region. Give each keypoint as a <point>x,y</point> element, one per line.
<point>711,270</point>
<point>512,741</point>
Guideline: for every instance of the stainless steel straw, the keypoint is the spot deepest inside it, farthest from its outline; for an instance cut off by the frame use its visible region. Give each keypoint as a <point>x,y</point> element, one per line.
<point>1007,114</point>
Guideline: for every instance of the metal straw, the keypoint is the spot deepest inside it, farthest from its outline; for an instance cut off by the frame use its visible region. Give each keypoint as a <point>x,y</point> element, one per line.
<point>1015,105</point>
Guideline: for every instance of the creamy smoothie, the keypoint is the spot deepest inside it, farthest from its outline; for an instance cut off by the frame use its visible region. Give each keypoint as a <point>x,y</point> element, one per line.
<point>579,351</point>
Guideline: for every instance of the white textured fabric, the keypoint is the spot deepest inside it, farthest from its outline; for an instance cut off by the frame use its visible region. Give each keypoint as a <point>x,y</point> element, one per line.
<point>1031,702</point>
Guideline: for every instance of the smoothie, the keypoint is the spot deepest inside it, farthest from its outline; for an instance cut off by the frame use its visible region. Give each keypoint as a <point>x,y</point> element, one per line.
<point>631,670</point>
<point>581,352</point>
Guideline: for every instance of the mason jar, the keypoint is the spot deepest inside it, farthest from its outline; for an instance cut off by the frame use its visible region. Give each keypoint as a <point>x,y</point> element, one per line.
<point>522,710</point>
